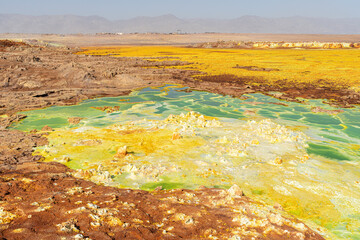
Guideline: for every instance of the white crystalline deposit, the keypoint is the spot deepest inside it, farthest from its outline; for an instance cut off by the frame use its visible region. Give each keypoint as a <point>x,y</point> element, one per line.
<point>188,124</point>
<point>264,141</point>
<point>198,148</point>
<point>192,119</point>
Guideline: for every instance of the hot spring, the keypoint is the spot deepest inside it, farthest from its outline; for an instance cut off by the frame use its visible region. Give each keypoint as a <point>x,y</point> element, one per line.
<point>303,156</point>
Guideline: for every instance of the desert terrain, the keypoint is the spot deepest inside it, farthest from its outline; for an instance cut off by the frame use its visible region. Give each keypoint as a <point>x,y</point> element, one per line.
<point>46,199</point>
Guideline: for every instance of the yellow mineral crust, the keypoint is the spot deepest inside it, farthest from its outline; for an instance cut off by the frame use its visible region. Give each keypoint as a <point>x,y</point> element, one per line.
<point>5,216</point>
<point>269,161</point>
<point>336,68</point>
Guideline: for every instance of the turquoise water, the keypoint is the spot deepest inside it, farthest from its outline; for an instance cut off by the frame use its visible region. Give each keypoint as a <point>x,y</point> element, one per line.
<point>335,137</point>
<point>325,188</point>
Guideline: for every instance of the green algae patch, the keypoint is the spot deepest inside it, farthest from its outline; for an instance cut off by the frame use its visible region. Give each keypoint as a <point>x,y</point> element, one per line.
<point>326,151</point>
<point>165,185</point>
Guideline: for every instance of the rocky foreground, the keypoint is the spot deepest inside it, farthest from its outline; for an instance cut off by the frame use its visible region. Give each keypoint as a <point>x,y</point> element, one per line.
<point>44,201</point>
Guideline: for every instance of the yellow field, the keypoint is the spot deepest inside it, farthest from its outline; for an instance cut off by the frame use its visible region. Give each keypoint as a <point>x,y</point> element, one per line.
<point>338,68</point>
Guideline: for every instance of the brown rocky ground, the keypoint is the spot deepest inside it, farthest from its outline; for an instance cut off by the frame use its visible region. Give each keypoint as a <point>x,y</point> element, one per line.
<point>43,200</point>
<point>237,86</point>
<point>16,147</point>
<point>36,77</point>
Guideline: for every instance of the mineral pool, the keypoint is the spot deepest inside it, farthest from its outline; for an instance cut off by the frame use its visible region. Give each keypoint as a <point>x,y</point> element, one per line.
<point>303,156</point>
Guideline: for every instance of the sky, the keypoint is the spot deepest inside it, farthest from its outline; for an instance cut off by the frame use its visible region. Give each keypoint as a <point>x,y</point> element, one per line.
<point>220,9</point>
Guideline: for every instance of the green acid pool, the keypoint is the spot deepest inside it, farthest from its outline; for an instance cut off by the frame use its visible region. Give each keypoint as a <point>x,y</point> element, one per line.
<point>276,151</point>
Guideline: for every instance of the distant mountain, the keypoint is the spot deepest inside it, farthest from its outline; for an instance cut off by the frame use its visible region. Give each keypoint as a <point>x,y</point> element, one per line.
<point>65,24</point>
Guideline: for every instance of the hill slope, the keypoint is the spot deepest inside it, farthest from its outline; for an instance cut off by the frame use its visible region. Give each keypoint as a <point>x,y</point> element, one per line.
<point>66,24</point>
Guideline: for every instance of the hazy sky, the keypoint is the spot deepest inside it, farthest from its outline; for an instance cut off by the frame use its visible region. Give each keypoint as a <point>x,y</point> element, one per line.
<point>124,9</point>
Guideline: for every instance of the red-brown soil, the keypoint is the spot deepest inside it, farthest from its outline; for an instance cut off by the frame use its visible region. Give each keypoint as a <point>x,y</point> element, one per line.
<point>236,86</point>
<point>43,201</point>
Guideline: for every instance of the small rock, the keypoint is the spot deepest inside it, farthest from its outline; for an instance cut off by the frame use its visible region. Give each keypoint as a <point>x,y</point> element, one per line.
<point>92,206</point>
<point>65,159</point>
<point>278,160</point>
<point>189,221</point>
<point>276,219</point>
<point>74,120</point>
<point>79,236</point>
<point>176,136</point>
<point>36,59</point>
<point>235,190</point>
<point>321,110</point>
<point>34,131</point>
<point>121,152</point>
<point>278,207</point>
<point>46,128</point>
<point>95,224</point>
<point>68,226</point>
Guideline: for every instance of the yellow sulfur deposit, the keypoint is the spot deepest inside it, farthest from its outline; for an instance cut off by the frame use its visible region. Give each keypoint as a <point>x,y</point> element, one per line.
<point>5,216</point>
<point>334,68</point>
<point>268,160</point>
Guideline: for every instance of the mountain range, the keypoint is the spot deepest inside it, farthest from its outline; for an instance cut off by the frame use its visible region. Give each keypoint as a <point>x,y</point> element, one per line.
<point>70,24</point>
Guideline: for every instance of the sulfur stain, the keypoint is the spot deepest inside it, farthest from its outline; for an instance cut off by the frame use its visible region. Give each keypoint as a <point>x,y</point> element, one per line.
<point>321,68</point>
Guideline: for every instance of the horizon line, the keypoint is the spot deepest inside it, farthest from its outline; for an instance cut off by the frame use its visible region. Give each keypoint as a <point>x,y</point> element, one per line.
<point>181,18</point>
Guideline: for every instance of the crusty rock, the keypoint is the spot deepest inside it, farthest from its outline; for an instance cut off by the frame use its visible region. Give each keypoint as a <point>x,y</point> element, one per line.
<point>321,110</point>
<point>46,128</point>
<point>16,147</point>
<point>6,121</point>
<point>235,191</point>
<point>74,120</point>
<point>121,152</point>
